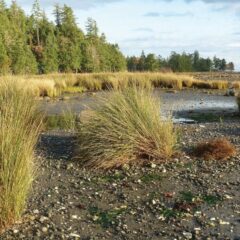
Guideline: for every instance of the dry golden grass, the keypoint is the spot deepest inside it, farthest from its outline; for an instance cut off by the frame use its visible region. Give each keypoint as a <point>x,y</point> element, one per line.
<point>215,149</point>
<point>53,85</point>
<point>20,125</point>
<point>236,84</point>
<point>125,128</point>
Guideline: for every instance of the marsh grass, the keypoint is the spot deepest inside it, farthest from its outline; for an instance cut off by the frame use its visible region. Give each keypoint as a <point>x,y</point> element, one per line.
<point>126,127</point>
<point>66,121</point>
<point>53,85</point>
<point>20,124</point>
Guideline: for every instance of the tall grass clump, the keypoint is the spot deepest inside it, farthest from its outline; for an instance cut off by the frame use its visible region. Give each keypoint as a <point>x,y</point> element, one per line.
<point>20,125</point>
<point>125,127</point>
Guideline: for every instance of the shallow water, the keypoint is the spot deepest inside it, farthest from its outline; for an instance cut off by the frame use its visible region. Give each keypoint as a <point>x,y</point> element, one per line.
<point>172,103</point>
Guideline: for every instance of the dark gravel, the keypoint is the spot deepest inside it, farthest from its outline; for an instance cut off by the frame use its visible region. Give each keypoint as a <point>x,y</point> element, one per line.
<point>185,199</point>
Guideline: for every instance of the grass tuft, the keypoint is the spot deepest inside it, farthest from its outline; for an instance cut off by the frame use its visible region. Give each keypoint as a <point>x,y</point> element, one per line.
<point>20,125</point>
<point>215,149</point>
<point>126,127</point>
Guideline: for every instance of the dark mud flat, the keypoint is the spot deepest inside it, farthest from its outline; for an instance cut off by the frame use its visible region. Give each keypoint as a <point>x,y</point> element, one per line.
<point>184,199</point>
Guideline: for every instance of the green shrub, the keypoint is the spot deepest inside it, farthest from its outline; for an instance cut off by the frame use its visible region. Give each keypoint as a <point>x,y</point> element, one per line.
<point>125,127</point>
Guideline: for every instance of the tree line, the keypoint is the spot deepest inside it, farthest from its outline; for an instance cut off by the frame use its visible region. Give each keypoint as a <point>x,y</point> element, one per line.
<point>33,44</point>
<point>178,63</point>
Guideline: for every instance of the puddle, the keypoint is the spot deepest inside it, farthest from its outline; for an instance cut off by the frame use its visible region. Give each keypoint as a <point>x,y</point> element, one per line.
<point>184,120</point>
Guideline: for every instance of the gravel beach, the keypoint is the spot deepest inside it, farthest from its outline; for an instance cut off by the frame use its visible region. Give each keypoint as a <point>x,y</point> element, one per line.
<point>185,198</point>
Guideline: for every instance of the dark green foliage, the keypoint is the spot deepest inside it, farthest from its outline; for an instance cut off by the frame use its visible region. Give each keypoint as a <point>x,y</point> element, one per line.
<point>152,177</point>
<point>32,44</point>
<point>106,218</point>
<point>177,63</point>
<point>4,59</point>
<point>211,199</point>
<point>113,178</point>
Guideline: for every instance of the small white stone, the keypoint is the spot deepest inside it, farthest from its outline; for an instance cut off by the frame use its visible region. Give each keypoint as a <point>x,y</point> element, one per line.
<point>44,229</point>
<point>42,219</point>
<point>154,202</point>
<point>228,197</point>
<point>187,235</point>
<point>223,222</point>
<point>74,235</point>
<point>161,218</point>
<point>95,218</point>
<point>153,165</point>
<point>35,211</point>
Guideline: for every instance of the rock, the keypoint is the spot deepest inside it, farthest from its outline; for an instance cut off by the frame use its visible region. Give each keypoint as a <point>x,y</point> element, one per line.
<point>187,235</point>
<point>231,93</point>
<point>15,231</point>
<point>43,219</point>
<point>35,211</point>
<point>44,229</point>
<point>154,202</point>
<point>221,222</point>
<point>153,165</point>
<point>74,235</point>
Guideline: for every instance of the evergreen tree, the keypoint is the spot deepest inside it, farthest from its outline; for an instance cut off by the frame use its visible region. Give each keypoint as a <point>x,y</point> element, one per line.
<point>37,15</point>
<point>230,66</point>
<point>196,59</point>
<point>50,55</point>
<point>223,65</point>
<point>70,39</point>
<point>92,28</point>
<point>22,59</point>
<point>4,59</point>
<point>142,62</point>
<point>151,63</point>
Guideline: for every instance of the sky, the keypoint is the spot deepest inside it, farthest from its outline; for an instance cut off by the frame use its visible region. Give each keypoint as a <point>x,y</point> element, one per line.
<point>161,26</point>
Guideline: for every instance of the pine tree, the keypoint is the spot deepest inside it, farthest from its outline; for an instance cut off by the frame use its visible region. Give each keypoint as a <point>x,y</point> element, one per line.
<point>37,15</point>
<point>92,28</point>
<point>70,39</point>
<point>4,59</point>
<point>22,59</point>
<point>50,55</point>
<point>141,64</point>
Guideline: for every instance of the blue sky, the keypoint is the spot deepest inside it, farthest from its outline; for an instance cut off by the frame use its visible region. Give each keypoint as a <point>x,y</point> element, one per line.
<point>162,26</point>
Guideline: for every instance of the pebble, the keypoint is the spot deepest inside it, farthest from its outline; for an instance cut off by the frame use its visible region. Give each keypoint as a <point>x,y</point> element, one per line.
<point>147,204</point>
<point>187,235</point>
<point>44,229</point>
